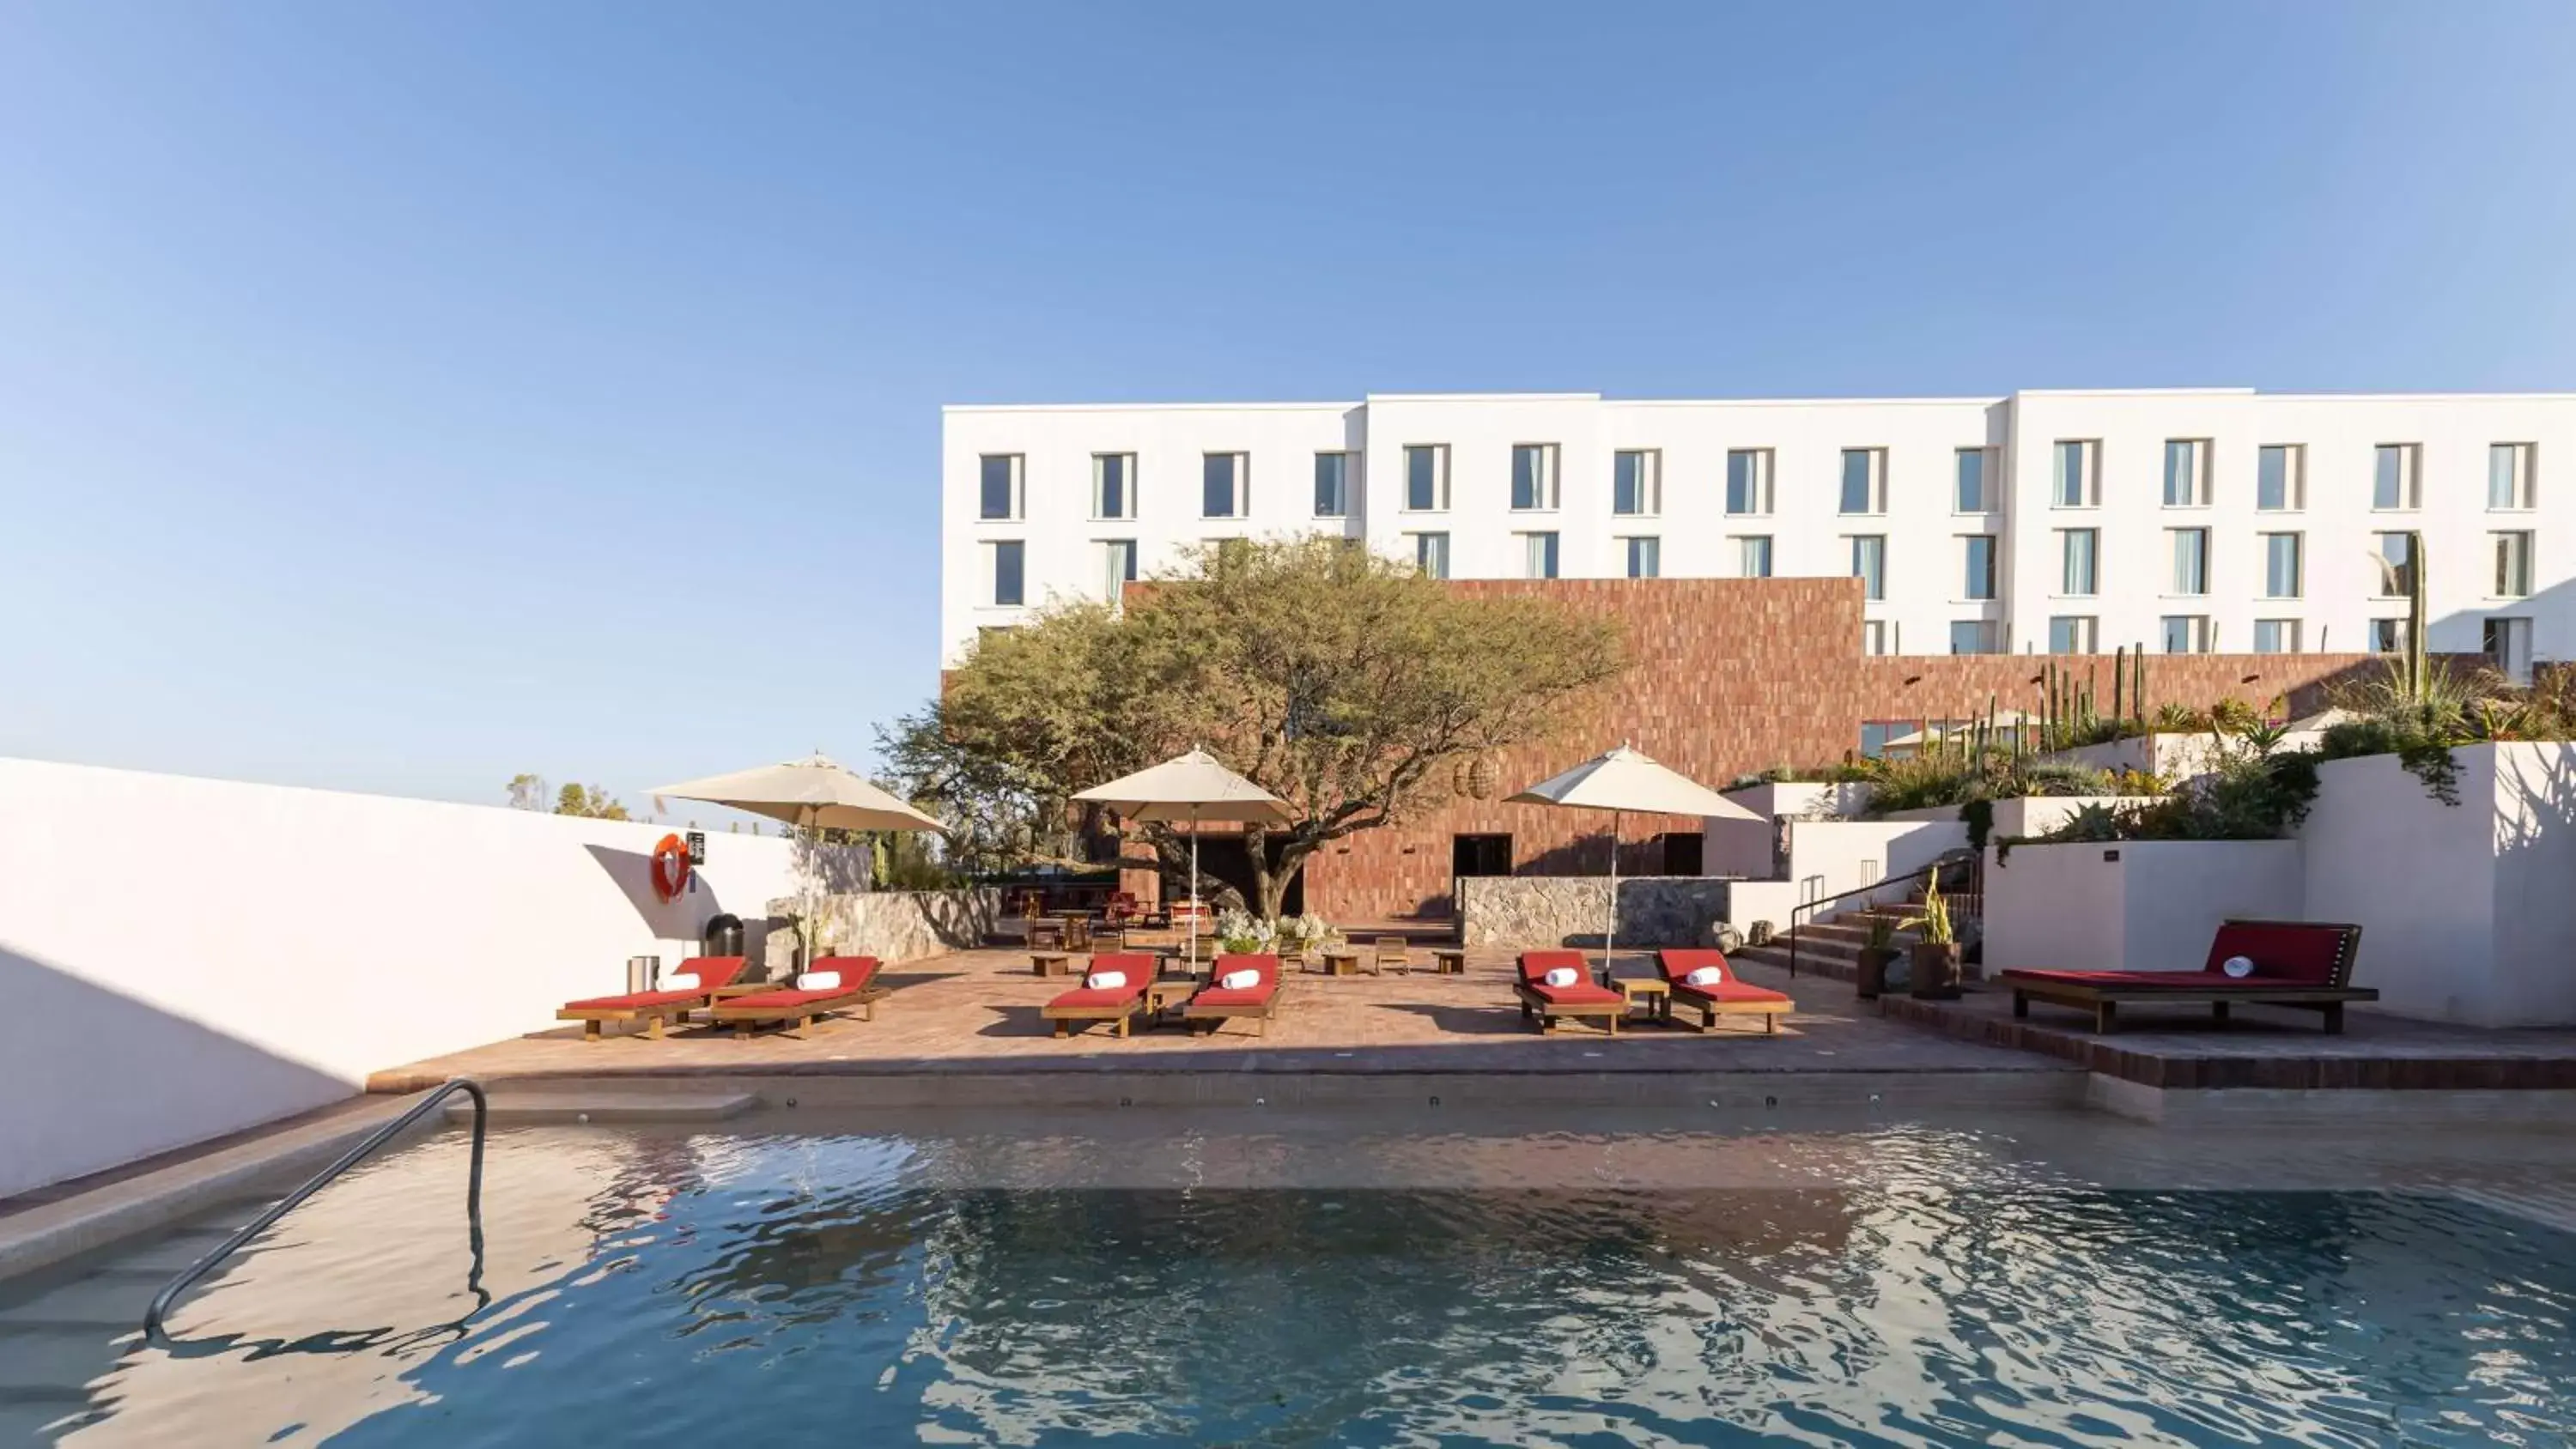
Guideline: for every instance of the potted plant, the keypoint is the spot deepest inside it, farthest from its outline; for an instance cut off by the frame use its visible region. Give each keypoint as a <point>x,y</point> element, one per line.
<point>1936,954</point>
<point>1871,977</point>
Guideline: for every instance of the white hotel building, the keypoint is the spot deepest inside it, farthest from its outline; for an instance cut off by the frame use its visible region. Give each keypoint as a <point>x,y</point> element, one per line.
<point>2186,520</point>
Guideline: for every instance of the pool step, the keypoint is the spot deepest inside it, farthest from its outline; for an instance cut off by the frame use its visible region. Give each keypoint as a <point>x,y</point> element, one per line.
<point>515,1106</point>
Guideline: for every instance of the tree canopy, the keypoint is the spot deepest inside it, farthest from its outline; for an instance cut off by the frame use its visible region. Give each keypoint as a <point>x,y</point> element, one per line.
<point>1343,682</point>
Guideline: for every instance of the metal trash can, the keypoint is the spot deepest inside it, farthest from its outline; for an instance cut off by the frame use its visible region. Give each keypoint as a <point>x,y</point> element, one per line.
<point>643,973</point>
<point>723,935</point>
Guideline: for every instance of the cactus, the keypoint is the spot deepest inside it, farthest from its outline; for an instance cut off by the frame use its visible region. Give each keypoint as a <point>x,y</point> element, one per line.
<point>2119,682</point>
<point>2138,687</point>
<point>2418,684</point>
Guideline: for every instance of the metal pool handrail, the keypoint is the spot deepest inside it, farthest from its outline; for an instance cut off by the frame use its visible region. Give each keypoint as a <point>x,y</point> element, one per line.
<point>161,1302</point>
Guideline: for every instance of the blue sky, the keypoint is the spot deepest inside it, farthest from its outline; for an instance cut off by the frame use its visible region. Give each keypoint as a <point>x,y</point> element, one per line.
<point>399,397</point>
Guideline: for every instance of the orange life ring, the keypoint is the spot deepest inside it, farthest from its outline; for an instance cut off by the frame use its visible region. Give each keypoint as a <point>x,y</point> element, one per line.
<point>670,867</point>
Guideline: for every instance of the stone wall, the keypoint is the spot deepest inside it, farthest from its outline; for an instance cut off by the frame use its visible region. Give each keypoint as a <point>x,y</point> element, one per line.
<point>1535,912</point>
<point>889,925</point>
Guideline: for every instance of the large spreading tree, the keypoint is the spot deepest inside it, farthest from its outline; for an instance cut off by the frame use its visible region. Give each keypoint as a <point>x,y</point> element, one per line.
<point>1345,683</point>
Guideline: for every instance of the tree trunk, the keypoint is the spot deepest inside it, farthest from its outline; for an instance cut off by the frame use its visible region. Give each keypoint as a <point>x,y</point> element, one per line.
<point>1275,867</point>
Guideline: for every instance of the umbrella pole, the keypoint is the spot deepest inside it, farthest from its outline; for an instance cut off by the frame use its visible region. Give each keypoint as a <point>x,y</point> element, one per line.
<point>1610,936</point>
<point>1194,890</point>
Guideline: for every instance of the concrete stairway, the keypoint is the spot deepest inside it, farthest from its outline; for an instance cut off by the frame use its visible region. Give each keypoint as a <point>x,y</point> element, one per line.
<point>1830,947</point>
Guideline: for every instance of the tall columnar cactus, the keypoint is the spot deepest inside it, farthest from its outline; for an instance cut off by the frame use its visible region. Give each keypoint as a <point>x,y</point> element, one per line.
<point>2138,687</point>
<point>2418,682</point>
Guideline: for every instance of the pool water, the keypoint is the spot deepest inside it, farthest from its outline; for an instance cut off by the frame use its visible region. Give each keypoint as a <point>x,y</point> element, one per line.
<point>846,1289</point>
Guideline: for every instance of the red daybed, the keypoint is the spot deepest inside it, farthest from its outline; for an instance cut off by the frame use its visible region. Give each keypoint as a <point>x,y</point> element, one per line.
<point>787,1006</point>
<point>1117,1004</point>
<point>1544,1004</point>
<point>2305,964</point>
<point>1216,1005</point>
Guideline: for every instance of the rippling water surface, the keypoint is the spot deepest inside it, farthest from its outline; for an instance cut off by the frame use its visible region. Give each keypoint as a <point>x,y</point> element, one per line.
<point>836,1290</point>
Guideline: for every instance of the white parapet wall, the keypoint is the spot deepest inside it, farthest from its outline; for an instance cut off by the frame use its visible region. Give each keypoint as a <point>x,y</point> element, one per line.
<point>185,957</point>
<point>2468,911</point>
<point>2137,905</point>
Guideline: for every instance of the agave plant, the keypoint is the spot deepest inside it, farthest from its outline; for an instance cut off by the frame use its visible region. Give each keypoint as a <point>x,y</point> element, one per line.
<point>1934,923</point>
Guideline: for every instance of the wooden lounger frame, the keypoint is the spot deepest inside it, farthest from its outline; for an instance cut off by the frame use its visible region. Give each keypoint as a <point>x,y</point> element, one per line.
<point>1535,1007</point>
<point>1677,996</point>
<point>1217,1016</point>
<point>1124,1014</point>
<point>2105,998</point>
<point>592,1018</point>
<point>748,1019</point>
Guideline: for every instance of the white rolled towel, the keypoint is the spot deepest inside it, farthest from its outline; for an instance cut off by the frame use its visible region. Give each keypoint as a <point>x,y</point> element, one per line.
<point>1239,980</point>
<point>680,981</point>
<point>1105,980</point>
<point>819,981</point>
<point>1562,976</point>
<point>1705,976</point>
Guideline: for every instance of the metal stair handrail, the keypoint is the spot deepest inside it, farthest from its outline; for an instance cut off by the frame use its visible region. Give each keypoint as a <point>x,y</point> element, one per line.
<point>169,1295</point>
<point>1944,860</point>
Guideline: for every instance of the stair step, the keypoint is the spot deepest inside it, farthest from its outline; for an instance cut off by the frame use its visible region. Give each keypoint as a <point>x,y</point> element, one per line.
<point>53,1363</point>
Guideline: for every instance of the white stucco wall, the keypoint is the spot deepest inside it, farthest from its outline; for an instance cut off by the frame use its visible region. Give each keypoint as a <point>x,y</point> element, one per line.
<point>1926,586</point>
<point>2139,905</point>
<point>188,957</point>
<point>2466,912</point>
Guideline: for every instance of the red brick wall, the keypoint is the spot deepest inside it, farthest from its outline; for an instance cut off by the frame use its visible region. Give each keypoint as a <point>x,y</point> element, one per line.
<point>1727,677</point>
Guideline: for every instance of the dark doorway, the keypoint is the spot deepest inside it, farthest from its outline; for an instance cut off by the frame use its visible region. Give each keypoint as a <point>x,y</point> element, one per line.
<point>1480,855</point>
<point>1682,852</point>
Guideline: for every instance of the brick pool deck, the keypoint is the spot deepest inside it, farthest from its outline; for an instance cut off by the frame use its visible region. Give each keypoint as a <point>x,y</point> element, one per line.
<point>976,1012</point>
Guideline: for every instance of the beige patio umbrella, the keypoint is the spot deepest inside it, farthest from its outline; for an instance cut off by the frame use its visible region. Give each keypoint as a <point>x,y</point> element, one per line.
<point>1191,787</point>
<point>814,793</point>
<point>1619,782</point>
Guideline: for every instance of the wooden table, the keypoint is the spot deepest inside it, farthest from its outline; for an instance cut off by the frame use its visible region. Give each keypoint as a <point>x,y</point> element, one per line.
<point>1341,962</point>
<point>1652,992</point>
<point>1050,963</point>
<point>1448,961</point>
<point>1044,934</point>
<point>1164,994</point>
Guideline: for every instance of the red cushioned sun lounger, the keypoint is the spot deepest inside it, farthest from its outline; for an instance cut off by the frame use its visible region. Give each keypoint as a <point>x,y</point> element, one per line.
<point>1117,1004</point>
<point>1545,1004</point>
<point>789,1007</point>
<point>1216,1005</point>
<point>1729,997</point>
<point>715,975</point>
<point>2303,964</point>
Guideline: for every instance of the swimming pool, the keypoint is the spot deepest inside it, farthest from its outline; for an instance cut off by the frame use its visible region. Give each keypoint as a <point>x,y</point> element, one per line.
<point>1870,1285</point>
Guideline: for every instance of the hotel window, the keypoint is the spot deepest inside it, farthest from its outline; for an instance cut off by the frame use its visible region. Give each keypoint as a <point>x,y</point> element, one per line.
<point>1117,566</point>
<point>2079,560</point>
<point>1113,485</point>
<point>1748,481</point>
<point>2512,565</point>
<point>1005,565</point>
<point>1979,555</point>
<point>1869,564</point>
<point>2396,563</point>
<point>2187,473</point>
<point>1753,556</point>
<point>1864,480</point>
<point>1637,483</point>
<point>2070,634</point>
<point>1430,554</point>
<point>1227,491</point>
<point>1976,636</point>
<point>1001,486</point>
<point>2281,478</point>
<point>1645,557</point>
<point>2509,648</point>
<point>2186,633</point>
<point>1972,496</point>
<point>1538,555</point>
<point>1333,484</point>
<point>2077,483</point>
<point>2190,550</point>
<point>1534,477</point>
<point>1426,478</point>
<point>1877,636</point>
<point>2284,574</point>
<point>2395,481</point>
<point>2276,636</point>
<point>2509,475</point>
<point>2387,636</point>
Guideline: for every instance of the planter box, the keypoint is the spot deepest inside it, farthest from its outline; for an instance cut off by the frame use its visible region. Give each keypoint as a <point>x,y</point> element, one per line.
<point>2138,905</point>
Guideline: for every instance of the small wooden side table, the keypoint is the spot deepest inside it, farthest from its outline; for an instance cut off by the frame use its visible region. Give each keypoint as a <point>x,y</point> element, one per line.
<point>1164,994</point>
<point>1651,992</point>
<point>1046,935</point>
<point>1341,962</point>
<point>1050,963</point>
<point>1448,961</point>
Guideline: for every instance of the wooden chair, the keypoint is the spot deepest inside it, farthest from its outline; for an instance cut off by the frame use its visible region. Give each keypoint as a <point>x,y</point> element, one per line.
<point>1390,952</point>
<point>1077,931</point>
